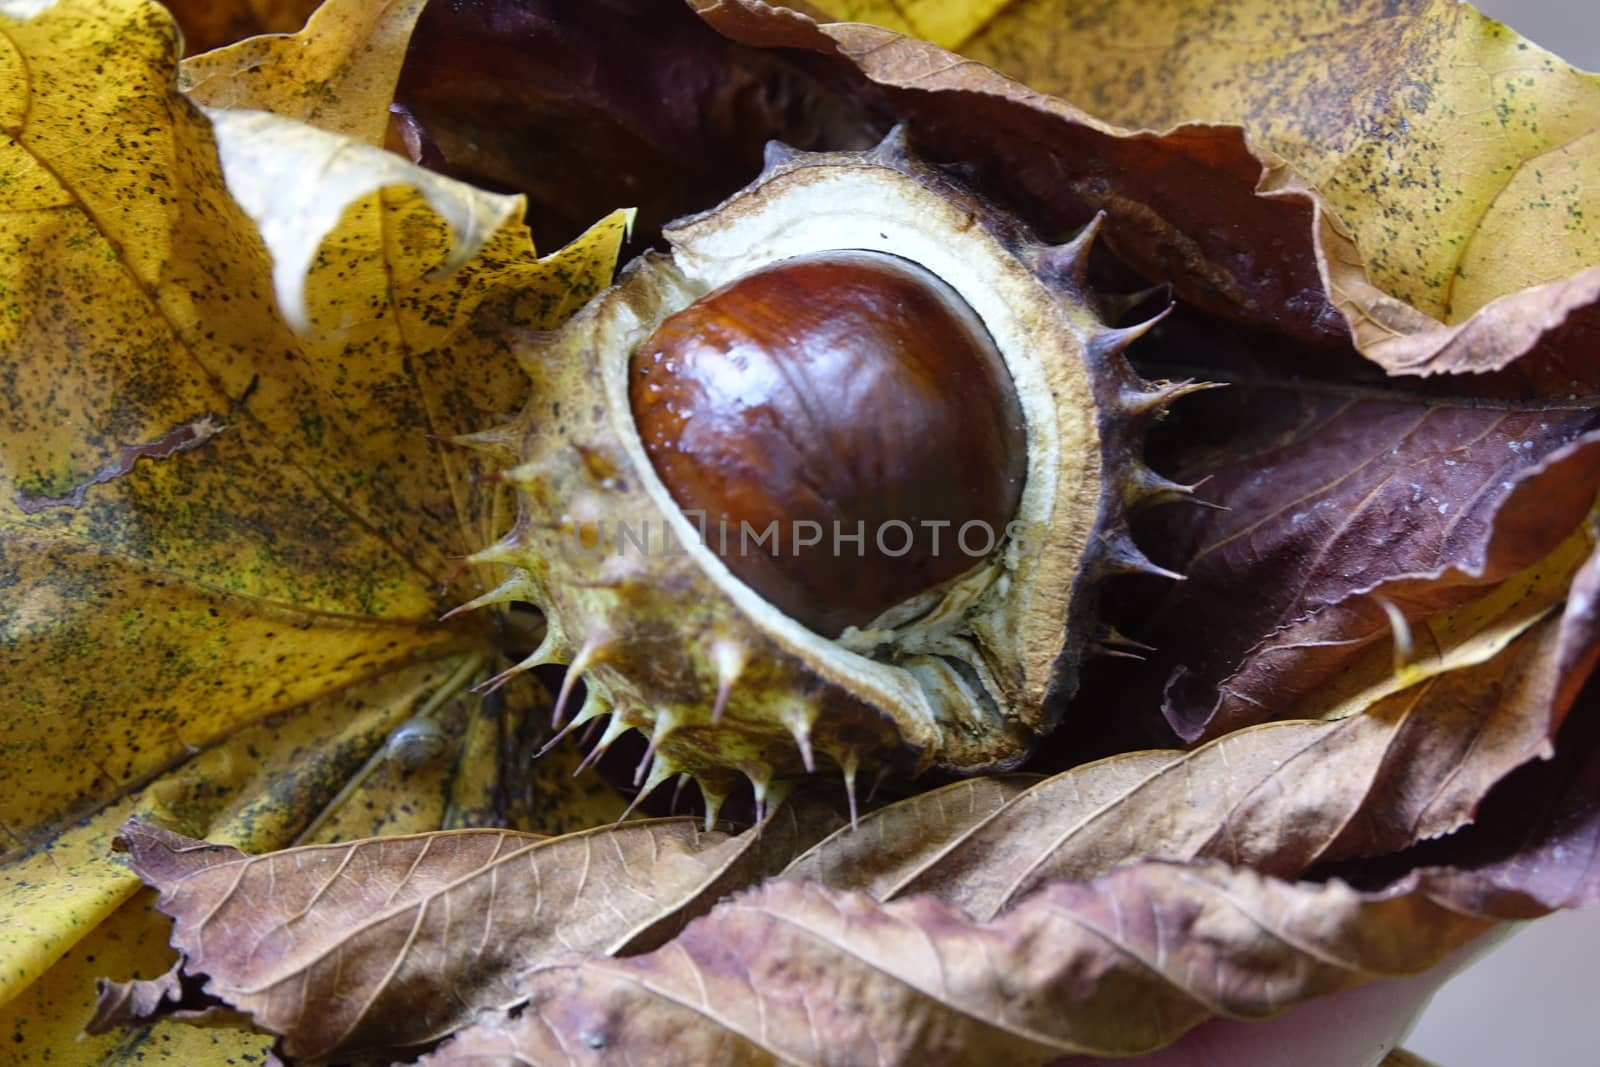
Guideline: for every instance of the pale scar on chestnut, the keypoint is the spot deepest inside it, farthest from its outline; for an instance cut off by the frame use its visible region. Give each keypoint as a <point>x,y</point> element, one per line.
<point>834,479</point>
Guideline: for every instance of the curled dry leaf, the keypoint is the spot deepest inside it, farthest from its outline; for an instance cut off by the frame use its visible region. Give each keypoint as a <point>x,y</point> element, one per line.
<point>1119,963</point>
<point>338,74</point>
<point>263,156</point>
<point>45,1024</point>
<point>1181,207</point>
<point>1451,150</point>
<point>347,949</point>
<point>1537,837</point>
<point>795,972</point>
<point>1540,335</point>
<point>1280,798</point>
<point>134,1004</point>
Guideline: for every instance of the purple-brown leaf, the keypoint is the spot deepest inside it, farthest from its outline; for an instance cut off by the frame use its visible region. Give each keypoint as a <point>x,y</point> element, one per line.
<point>1332,503</point>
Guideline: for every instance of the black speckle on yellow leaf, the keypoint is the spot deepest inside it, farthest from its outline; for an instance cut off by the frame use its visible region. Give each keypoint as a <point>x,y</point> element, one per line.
<point>308,548</point>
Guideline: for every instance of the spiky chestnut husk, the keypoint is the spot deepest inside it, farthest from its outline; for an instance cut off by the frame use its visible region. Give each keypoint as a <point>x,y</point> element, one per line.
<point>966,676</point>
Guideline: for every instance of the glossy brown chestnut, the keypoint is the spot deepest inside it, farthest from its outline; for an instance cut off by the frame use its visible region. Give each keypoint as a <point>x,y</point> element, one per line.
<point>834,395</point>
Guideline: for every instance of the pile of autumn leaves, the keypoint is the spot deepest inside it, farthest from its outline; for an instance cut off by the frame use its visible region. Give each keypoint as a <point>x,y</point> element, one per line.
<point>1364,735</point>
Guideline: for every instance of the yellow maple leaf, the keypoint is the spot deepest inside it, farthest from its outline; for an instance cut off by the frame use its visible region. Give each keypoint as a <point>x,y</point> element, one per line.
<point>214,526</point>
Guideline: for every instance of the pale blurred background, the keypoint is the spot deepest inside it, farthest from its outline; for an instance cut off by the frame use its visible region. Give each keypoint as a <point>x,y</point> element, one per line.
<point>1535,1000</point>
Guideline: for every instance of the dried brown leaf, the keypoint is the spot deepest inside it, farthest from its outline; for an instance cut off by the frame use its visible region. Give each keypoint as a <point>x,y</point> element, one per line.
<point>351,949</point>
<point>135,1002</point>
<point>174,995</point>
<point>1280,798</point>
<point>795,972</point>
<point>1409,764</point>
<point>873,855</point>
<point>1537,836</point>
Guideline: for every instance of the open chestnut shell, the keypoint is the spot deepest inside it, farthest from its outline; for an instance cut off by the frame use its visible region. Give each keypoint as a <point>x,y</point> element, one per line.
<point>855,337</point>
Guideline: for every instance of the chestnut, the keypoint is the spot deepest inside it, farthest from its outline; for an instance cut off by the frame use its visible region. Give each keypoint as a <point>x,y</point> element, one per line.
<point>847,397</point>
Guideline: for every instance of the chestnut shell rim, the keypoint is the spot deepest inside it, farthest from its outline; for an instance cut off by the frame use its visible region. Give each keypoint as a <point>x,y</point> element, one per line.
<point>965,676</point>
